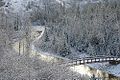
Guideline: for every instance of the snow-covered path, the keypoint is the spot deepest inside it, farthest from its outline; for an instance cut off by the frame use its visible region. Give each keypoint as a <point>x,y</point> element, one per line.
<point>38,28</point>
<point>45,56</point>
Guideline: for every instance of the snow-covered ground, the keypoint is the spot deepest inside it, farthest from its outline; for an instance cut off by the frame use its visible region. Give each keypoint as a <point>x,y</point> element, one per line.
<point>112,69</point>
<point>76,54</point>
<point>38,28</point>
<point>106,67</point>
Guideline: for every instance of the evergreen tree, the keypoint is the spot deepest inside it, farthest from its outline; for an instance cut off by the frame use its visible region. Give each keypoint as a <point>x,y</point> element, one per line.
<point>2,3</point>
<point>46,36</point>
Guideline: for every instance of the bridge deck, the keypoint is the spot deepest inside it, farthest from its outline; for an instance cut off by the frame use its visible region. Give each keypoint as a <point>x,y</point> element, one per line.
<point>88,60</point>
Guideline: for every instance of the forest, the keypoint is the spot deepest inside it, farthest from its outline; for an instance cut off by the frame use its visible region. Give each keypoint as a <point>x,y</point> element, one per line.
<point>72,27</point>
<point>15,26</point>
<point>91,28</point>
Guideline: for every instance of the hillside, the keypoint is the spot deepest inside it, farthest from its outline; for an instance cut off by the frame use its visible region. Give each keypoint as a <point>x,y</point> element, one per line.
<point>65,29</point>
<point>91,28</point>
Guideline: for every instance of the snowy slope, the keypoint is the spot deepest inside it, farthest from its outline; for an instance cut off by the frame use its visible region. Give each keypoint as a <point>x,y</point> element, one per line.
<point>106,67</point>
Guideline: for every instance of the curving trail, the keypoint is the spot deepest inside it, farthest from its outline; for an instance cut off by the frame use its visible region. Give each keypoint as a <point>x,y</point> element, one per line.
<point>37,33</point>
<point>36,29</point>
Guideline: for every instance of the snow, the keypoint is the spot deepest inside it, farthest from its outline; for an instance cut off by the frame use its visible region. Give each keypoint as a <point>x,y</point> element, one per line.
<point>106,67</point>
<point>61,2</point>
<point>20,5</point>
<point>112,69</point>
<point>39,28</point>
<point>17,6</point>
<point>82,69</point>
<point>76,54</point>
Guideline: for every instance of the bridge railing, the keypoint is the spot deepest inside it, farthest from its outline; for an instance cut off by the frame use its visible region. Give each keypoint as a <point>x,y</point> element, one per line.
<point>88,60</point>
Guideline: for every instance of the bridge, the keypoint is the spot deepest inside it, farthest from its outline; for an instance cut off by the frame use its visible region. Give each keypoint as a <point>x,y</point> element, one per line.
<point>98,59</point>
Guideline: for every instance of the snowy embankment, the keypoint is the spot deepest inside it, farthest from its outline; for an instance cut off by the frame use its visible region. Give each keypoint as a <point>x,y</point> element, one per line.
<point>106,67</point>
